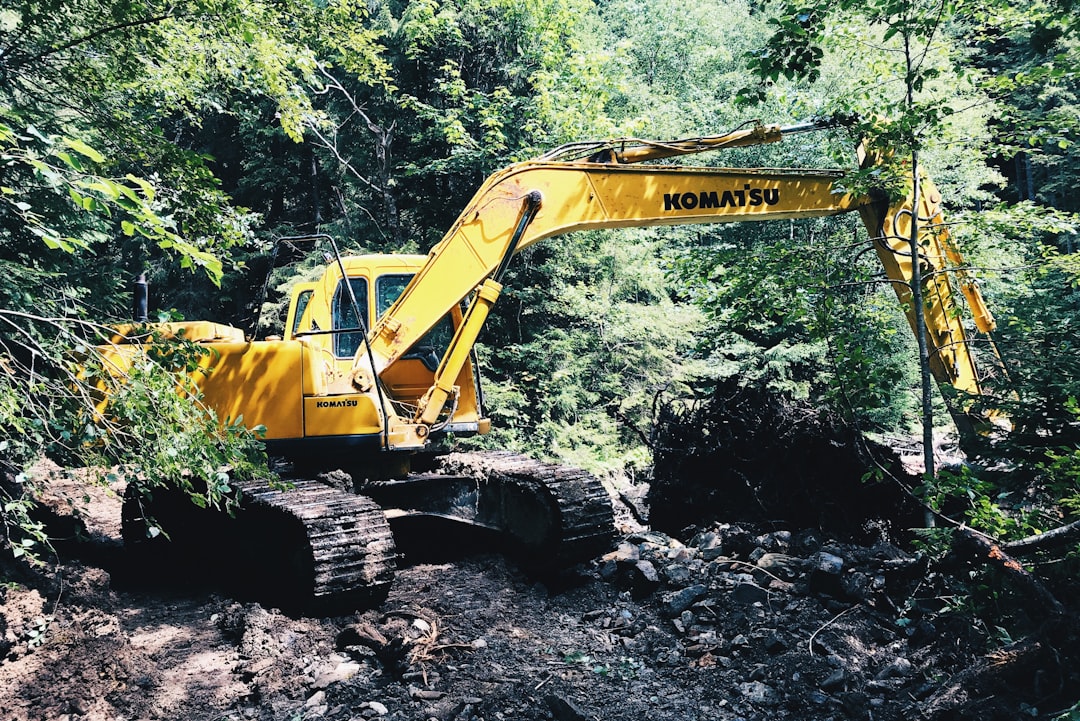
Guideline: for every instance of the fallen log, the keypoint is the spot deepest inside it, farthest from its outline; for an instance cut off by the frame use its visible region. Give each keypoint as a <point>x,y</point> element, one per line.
<point>984,678</point>
<point>972,546</point>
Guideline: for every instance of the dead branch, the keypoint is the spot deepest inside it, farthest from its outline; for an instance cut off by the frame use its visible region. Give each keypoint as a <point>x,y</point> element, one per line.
<point>1041,541</point>
<point>983,677</point>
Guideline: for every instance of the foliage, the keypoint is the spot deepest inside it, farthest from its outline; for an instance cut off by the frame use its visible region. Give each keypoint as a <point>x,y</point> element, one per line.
<point>582,340</point>
<point>1037,130</point>
<point>62,166</point>
<point>795,307</point>
<point>93,190</point>
<point>52,385</point>
<point>182,444</point>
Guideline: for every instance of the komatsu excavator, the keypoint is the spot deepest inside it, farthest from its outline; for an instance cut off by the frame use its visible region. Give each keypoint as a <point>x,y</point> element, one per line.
<point>376,359</point>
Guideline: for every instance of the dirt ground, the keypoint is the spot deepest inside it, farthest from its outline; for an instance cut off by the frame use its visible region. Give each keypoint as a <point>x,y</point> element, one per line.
<point>719,623</point>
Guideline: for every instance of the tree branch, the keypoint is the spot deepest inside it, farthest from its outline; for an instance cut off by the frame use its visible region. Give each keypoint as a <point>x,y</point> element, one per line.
<point>96,34</point>
<point>1057,537</point>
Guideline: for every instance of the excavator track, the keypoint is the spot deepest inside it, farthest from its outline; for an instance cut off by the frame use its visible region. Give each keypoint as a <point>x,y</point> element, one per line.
<point>310,545</point>
<point>350,544</point>
<point>305,545</point>
<point>582,526</point>
<point>556,516</point>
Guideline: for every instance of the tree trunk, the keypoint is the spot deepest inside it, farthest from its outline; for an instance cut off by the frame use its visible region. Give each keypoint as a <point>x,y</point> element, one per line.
<point>925,377</point>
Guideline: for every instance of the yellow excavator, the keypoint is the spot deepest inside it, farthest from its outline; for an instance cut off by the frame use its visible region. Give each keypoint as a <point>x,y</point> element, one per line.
<point>376,359</point>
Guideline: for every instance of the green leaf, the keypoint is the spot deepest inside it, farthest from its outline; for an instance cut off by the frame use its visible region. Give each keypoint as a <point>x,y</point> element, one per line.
<point>83,149</point>
<point>147,188</point>
<point>70,160</point>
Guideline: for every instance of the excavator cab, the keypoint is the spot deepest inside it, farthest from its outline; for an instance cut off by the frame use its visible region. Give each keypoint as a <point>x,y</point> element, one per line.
<point>330,318</point>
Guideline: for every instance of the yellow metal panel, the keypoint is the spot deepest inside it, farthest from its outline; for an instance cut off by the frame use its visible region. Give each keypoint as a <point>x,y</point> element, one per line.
<point>261,381</point>
<point>318,367</point>
<point>341,415</point>
<point>196,331</point>
<point>950,357</point>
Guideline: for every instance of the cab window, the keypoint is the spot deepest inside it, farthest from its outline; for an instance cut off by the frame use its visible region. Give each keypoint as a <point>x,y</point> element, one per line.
<point>302,301</point>
<point>433,345</point>
<point>344,317</point>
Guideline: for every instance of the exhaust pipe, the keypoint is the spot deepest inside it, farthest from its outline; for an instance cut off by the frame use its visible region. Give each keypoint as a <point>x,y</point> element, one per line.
<point>142,295</point>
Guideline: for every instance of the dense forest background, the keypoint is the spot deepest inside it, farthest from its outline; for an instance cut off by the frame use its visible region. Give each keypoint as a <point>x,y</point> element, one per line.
<point>182,140</point>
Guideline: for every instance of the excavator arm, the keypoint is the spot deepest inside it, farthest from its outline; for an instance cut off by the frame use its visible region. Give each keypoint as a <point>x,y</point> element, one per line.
<point>579,194</point>
<point>604,185</point>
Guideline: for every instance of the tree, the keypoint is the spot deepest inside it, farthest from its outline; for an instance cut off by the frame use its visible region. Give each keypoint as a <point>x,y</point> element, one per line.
<point>93,191</point>
<point>915,54</point>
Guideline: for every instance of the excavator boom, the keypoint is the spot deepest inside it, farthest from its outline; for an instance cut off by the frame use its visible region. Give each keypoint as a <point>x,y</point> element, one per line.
<point>605,185</point>
<point>582,196</point>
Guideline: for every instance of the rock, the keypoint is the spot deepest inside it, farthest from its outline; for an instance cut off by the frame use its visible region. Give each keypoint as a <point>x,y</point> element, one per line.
<point>749,593</point>
<point>781,565</point>
<point>423,694</point>
<point>641,579</point>
<point>773,542</point>
<point>705,541</point>
<point>805,542</point>
<point>780,586</point>
<point>608,571</point>
<point>737,541</point>
<point>834,681</point>
<point>855,704</point>
<point>378,708</point>
<point>682,555</point>
<point>774,644</point>
<point>675,603</point>
<point>856,585</point>
<point>341,672</point>
<point>711,554</point>
<point>654,538</point>
<point>827,563</point>
<point>647,572</point>
<point>563,709</point>
<point>899,667</point>
<point>825,574</point>
<point>758,693</point>
<point>677,575</point>
<point>316,699</point>
<point>921,634</point>
<point>624,553</point>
